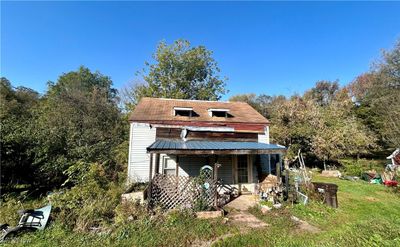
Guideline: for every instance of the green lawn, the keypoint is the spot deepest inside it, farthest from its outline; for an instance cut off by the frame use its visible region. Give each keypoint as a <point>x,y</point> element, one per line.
<point>368,215</point>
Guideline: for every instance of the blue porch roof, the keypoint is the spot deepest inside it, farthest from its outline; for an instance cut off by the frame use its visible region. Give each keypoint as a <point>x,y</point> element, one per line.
<point>213,147</point>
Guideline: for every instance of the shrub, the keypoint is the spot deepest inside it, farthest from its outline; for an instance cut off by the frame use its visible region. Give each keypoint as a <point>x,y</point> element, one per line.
<point>353,167</point>
<point>130,211</point>
<point>90,203</point>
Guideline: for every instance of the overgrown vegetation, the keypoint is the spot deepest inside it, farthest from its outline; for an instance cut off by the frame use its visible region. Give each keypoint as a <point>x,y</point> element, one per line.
<point>355,167</point>
<point>367,216</point>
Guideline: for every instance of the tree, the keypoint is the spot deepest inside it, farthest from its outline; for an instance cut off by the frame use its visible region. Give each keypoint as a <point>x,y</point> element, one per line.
<point>323,92</point>
<point>250,99</point>
<point>78,121</point>
<point>181,72</point>
<point>292,123</point>
<point>261,103</point>
<point>378,98</point>
<point>339,132</point>
<point>16,142</point>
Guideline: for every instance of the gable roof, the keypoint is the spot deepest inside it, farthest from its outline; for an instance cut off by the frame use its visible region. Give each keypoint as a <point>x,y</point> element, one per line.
<point>160,109</point>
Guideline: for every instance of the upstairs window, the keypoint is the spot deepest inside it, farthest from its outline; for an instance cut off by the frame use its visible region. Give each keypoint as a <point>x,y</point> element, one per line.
<point>219,113</point>
<point>183,111</point>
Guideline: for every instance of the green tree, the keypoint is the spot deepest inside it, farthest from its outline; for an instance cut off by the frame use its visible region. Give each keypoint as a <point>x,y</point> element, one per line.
<point>323,92</point>
<point>261,103</point>
<point>180,71</point>
<point>16,140</point>
<point>378,97</point>
<point>339,132</point>
<point>292,123</point>
<point>78,121</point>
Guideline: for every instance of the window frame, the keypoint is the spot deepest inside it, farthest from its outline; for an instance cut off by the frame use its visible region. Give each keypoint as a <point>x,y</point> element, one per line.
<point>189,110</point>
<point>164,166</point>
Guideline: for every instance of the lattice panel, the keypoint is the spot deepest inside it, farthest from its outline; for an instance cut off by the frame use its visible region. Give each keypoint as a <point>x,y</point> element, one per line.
<point>169,191</point>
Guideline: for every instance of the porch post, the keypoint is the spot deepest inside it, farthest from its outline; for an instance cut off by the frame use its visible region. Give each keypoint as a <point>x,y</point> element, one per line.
<point>269,163</point>
<point>151,167</point>
<point>157,165</point>
<point>150,179</point>
<point>216,166</point>
<point>177,165</point>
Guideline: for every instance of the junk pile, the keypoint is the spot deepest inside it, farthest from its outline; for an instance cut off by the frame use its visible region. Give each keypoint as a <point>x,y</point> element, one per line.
<point>387,178</point>
<point>328,192</point>
<point>270,189</point>
<point>390,176</point>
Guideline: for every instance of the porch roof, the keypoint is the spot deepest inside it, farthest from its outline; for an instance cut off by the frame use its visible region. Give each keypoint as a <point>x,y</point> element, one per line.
<point>213,147</point>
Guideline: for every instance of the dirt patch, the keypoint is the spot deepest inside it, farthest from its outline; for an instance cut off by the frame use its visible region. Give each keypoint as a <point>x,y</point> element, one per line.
<point>304,226</point>
<point>371,199</point>
<point>243,202</point>
<point>245,220</point>
<point>200,243</point>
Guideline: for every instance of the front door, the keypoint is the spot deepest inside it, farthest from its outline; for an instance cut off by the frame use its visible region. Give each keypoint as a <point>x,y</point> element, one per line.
<point>242,169</point>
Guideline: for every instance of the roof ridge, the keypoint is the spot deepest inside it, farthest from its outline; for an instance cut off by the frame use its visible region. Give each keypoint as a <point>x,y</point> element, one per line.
<point>196,100</point>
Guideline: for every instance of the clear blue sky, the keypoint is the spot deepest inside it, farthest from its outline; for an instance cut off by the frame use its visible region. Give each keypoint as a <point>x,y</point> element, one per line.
<point>262,47</point>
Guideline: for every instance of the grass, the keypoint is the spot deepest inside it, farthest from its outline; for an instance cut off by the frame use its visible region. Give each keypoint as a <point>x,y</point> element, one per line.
<point>177,230</point>
<point>368,215</point>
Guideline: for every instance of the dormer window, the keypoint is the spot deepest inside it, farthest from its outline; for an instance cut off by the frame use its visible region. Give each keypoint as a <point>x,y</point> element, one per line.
<point>183,111</point>
<point>218,112</point>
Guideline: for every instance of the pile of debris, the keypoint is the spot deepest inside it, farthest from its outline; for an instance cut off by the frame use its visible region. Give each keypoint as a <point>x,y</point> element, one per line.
<point>270,189</point>
<point>387,178</point>
<point>391,174</point>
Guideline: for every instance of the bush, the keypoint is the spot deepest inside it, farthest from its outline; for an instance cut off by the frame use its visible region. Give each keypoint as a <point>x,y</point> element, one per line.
<point>130,211</point>
<point>354,167</point>
<point>89,204</point>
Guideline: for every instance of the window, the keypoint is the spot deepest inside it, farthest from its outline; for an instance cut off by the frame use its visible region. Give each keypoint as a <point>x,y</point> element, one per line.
<point>242,169</point>
<point>169,166</point>
<point>219,113</point>
<point>183,111</point>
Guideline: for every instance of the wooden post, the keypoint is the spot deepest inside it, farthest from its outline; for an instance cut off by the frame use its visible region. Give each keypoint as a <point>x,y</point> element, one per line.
<point>286,192</point>
<point>216,166</point>
<point>278,172</point>
<point>157,165</point>
<point>151,167</point>
<point>150,178</point>
<point>177,165</point>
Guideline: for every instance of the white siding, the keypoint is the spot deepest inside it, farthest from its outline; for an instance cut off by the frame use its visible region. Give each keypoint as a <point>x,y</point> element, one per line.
<point>264,138</point>
<point>141,136</point>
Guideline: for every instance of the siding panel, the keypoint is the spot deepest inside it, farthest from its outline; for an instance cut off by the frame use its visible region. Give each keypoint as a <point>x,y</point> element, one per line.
<point>141,136</point>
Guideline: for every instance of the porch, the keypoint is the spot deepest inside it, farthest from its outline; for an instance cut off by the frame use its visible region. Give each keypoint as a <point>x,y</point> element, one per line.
<point>236,167</point>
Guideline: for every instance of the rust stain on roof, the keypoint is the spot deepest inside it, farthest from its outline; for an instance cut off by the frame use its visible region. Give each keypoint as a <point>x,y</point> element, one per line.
<point>158,109</point>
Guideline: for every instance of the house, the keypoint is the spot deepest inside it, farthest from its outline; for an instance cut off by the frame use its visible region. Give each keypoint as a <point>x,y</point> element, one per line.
<point>179,137</point>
